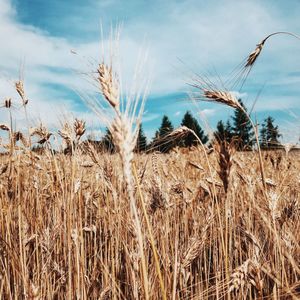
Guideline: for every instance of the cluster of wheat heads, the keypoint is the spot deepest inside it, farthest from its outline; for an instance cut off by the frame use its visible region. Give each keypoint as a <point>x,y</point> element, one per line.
<point>144,226</point>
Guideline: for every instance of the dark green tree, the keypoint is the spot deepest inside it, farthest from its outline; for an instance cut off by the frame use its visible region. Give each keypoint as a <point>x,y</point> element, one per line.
<point>165,127</point>
<point>141,143</point>
<point>161,142</point>
<point>223,132</point>
<point>107,142</point>
<point>242,129</point>
<point>190,139</point>
<point>269,134</point>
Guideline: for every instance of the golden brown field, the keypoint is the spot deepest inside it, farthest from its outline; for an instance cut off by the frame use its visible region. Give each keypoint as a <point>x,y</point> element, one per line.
<point>67,231</point>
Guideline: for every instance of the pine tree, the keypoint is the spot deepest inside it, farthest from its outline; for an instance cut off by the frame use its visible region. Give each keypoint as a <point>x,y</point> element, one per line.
<point>223,132</point>
<point>242,129</point>
<point>141,144</point>
<point>190,139</point>
<point>269,134</point>
<point>165,127</point>
<point>107,142</point>
<point>159,142</point>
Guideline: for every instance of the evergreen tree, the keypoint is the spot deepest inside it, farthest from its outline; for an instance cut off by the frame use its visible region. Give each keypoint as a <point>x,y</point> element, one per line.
<point>223,132</point>
<point>107,142</point>
<point>269,134</point>
<point>242,129</point>
<point>165,127</point>
<point>141,144</point>
<point>159,142</point>
<point>190,139</point>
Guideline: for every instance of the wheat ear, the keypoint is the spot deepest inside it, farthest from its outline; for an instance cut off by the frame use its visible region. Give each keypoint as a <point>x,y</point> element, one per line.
<point>254,54</point>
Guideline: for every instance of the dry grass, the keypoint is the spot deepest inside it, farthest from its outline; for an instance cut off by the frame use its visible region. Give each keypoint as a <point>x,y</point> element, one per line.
<point>67,230</point>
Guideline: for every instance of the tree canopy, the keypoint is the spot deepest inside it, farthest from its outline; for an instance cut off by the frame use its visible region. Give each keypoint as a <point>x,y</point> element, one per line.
<point>242,130</point>
<point>223,132</point>
<point>141,143</point>
<point>269,134</point>
<point>160,142</point>
<point>190,139</point>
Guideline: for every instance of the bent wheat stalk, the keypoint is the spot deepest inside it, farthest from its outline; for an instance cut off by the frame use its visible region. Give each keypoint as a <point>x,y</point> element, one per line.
<point>229,99</point>
<point>254,54</point>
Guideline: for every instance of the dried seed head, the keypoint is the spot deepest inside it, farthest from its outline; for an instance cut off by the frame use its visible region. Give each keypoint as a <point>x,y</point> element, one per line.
<point>274,205</point>
<point>20,90</point>
<point>254,54</point>
<point>225,151</point>
<point>4,127</point>
<point>66,134</point>
<point>194,248</point>
<point>105,293</point>
<point>79,128</point>
<point>18,136</point>
<point>33,291</point>
<point>41,132</point>
<point>109,85</point>
<point>7,103</point>
<point>179,132</point>
<point>246,274</point>
<point>223,97</point>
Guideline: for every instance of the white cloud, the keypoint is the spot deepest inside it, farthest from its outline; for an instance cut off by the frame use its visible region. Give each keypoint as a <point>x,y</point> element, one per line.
<point>202,34</point>
<point>147,117</point>
<point>208,112</point>
<point>239,95</point>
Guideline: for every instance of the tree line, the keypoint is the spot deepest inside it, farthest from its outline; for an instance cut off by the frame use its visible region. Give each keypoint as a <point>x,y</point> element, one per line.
<point>237,130</point>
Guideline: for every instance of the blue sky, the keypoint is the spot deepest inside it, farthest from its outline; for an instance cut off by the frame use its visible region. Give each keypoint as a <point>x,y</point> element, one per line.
<point>180,37</point>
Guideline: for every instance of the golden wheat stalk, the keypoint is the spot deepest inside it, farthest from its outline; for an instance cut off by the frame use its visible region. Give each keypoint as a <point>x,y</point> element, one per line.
<point>20,90</point>
<point>246,274</point>
<point>254,54</point>
<point>79,128</point>
<point>19,136</point>
<point>225,151</point>
<point>124,136</point>
<point>66,134</point>
<point>109,85</point>
<point>42,132</point>
<point>222,97</point>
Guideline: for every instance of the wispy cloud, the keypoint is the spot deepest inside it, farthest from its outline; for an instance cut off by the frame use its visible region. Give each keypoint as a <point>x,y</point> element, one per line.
<point>207,112</point>
<point>177,31</point>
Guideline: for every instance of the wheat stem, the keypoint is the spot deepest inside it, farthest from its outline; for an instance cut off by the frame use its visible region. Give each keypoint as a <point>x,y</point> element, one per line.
<point>152,242</point>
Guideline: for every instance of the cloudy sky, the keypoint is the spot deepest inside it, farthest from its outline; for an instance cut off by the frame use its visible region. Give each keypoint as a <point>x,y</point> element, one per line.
<point>181,37</point>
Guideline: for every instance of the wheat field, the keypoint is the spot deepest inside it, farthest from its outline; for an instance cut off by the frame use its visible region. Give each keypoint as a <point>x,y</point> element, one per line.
<point>195,223</point>
<point>67,232</point>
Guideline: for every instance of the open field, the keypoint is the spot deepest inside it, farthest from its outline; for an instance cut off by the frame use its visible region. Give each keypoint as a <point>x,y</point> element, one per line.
<point>67,231</point>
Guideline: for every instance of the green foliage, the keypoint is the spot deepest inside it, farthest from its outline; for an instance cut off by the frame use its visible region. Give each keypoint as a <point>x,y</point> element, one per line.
<point>160,142</point>
<point>165,127</point>
<point>107,142</point>
<point>269,134</point>
<point>190,139</point>
<point>223,132</point>
<point>242,129</point>
<point>141,143</point>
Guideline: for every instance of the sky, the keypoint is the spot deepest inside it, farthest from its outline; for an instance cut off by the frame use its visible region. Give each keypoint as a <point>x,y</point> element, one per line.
<point>211,38</point>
